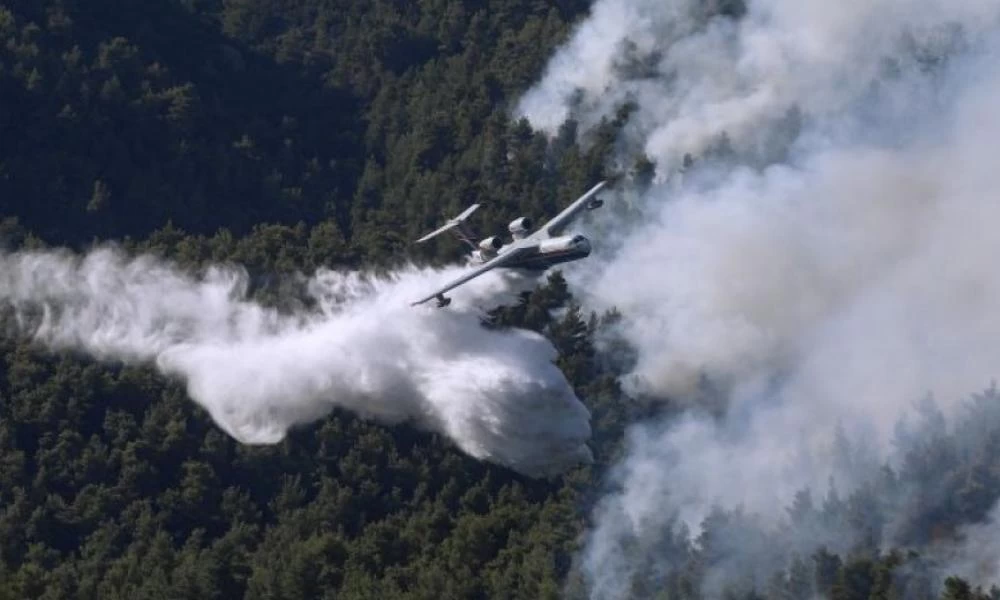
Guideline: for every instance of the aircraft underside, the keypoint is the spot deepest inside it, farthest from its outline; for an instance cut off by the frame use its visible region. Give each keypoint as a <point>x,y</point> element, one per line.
<point>542,262</point>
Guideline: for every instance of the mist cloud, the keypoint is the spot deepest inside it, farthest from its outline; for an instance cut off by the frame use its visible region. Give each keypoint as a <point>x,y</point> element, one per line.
<point>259,371</point>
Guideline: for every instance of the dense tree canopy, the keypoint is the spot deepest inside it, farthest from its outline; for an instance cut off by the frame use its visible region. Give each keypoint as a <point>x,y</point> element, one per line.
<point>286,136</point>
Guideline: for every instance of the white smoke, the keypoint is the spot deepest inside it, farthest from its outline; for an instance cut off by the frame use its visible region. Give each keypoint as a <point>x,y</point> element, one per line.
<point>832,265</point>
<point>259,372</point>
<point>975,555</point>
<point>694,79</point>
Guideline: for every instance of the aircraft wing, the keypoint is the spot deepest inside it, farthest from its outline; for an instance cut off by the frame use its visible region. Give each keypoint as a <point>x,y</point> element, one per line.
<point>559,222</point>
<point>508,256</point>
<point>465,213</point>
<point>451,224</point>
<point>437,232</point>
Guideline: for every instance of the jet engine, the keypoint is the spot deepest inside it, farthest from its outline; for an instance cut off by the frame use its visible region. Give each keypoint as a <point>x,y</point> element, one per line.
<point>520,227</point>
<point>490,245</point>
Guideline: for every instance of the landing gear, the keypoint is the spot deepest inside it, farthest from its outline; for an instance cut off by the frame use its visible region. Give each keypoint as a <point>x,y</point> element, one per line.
<point>442,301</point>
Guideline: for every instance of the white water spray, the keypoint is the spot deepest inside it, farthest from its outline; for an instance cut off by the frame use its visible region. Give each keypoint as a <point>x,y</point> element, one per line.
<point>259,372</point>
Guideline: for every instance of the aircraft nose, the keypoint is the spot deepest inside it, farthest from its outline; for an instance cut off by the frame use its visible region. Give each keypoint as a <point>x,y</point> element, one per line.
<point>583,244</point>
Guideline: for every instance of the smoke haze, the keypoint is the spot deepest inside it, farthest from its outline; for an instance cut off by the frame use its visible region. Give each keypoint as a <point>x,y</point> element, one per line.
<point>259,372</point>
<point>826,261</point>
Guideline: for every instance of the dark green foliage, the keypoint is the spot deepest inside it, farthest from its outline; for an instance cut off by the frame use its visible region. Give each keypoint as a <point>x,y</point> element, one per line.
<point>115,485</point>
<point>283,137</point>
<point>119,119</point>
<point>286,136</point>
<point>378,117</point>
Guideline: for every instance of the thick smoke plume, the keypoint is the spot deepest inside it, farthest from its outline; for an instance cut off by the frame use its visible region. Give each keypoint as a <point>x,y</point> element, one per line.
<point>815,254</point>
<point>259,371</point>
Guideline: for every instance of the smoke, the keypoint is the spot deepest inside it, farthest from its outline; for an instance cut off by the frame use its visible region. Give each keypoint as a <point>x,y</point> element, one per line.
<point>974,555</point>
<point>695,80</point>
<point>824,261</point>
<point>259,371</point>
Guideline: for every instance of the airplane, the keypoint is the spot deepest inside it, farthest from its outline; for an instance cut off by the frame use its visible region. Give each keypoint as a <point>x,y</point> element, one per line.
<point>535,252</point>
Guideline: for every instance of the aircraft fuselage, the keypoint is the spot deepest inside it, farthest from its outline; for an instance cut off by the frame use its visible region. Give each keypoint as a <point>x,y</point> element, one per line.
<point>548,253</point>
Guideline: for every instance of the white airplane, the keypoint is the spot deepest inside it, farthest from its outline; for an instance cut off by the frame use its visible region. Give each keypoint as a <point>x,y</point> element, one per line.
<point>536,252</point>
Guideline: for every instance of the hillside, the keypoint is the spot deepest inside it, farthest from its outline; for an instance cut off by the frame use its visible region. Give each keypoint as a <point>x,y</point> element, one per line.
<point>290,137</point>
<point>283,137</point>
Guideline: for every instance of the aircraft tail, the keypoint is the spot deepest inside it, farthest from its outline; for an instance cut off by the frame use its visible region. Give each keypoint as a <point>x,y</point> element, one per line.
<point>455,225</point>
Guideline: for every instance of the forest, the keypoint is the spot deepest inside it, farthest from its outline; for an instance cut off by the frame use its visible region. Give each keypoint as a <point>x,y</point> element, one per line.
<point>287,136</point>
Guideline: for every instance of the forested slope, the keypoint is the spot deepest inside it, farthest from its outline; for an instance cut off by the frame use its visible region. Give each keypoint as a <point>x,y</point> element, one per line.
<point>286,136</point>
<point>119,118</point>
<point>281,136</point>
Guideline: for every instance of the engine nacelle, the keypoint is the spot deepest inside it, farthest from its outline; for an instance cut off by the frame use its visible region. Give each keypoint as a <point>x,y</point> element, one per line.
<point>491,244</point>
<point>520,227</point>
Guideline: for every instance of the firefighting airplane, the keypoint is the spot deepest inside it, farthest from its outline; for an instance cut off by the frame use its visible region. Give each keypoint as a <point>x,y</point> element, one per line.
<point>528,251</point>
